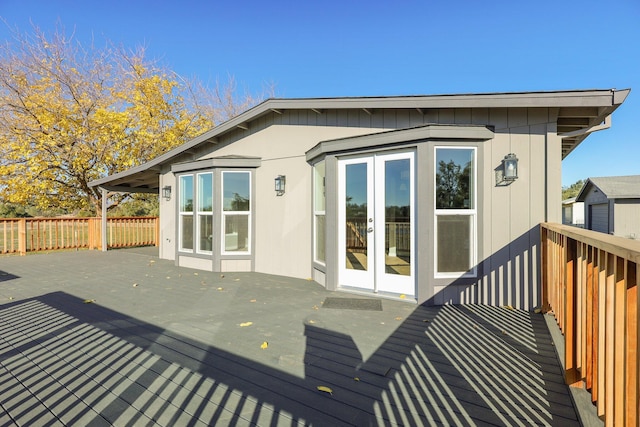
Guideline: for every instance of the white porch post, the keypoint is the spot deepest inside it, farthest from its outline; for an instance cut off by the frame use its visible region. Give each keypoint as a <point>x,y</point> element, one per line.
<point>104,220</point>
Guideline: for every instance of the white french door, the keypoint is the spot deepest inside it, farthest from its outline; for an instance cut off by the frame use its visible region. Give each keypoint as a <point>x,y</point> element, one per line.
<point>376,223</point>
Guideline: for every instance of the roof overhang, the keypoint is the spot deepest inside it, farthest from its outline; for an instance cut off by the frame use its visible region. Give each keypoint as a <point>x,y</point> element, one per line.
<point>580,112</point>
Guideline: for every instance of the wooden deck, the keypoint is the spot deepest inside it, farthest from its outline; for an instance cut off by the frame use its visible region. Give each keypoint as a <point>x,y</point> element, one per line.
<point>163,345</point>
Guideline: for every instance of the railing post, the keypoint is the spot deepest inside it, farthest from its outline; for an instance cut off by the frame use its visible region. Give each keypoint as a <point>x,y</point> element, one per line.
<point>91,243</point>
<point>103,222</point>
<point>157,231</point>
<point>544,277</point>
<point>22,236</point>
<point>572,375</point>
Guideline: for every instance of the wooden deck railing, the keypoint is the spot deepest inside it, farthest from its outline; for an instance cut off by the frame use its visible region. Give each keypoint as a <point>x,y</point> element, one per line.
<point>590,282</point>
<point>397,235</point>
<point>22,235</point>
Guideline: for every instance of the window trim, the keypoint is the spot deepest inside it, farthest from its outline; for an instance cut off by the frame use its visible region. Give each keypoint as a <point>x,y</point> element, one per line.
<point>182,214</point>
<point>473,213</point>
<point>224,214</point>
<point>317,213</point>
<point>199,213</point>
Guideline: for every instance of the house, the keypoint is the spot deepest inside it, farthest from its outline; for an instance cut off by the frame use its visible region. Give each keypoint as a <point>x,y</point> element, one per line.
<point>573,212</point>
<point>612,205</point>
<point>433,199</point>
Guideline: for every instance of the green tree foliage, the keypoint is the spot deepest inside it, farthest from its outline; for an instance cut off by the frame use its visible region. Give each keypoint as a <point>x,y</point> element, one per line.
<point>70,114</point>
<point>137,205</point>
<point>452,185</point>
<point>573,190</point>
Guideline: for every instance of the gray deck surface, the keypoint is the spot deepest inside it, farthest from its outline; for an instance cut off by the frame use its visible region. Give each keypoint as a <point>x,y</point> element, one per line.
<point>163,345</point>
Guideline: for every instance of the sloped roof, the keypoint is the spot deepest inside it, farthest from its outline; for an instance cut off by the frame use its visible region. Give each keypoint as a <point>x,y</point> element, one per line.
<point>614,187</point>
<point>579,113</point>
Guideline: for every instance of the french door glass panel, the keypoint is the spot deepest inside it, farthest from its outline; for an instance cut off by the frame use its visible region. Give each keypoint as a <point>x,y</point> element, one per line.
<point>397,211</point>
<point>356,213</point>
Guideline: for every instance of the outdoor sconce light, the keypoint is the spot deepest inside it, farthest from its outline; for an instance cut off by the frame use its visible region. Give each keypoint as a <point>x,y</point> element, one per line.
<point>166,192</point>
<point>280,183</point>
<point>510,167</point>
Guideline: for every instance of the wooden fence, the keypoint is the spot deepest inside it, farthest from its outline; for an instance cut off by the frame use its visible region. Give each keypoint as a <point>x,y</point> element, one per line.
<point>590,282</point>
<point>22,235</point>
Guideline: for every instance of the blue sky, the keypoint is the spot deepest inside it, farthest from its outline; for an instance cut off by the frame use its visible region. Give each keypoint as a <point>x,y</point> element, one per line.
<point>366,48</point>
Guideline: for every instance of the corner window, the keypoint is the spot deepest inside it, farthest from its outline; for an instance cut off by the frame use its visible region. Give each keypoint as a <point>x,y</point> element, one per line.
<point>236,214</point>
<point>186,213</point>
<point>319,224</point>
<point>455,211</point>
<point>204,208</point>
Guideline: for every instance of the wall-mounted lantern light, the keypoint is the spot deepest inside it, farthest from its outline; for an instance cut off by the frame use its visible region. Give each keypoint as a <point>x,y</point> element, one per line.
<point>280,183</point>
<point>166,192</point>
<point>510,167</point>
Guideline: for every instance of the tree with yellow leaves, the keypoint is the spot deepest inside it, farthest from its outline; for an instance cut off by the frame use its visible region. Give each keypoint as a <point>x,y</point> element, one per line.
<point>70,115</point>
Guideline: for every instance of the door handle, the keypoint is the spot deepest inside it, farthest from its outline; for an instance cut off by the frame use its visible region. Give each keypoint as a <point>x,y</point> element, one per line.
<point>369,230</point>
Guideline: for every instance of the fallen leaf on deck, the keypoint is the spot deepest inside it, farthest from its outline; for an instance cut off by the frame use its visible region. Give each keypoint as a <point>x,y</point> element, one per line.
<point>537,310</point>
<point>168,277</point>
<point>426,320</point>
<point>264,345</point>
<point>356,379</point>
<point>236,280</point>
<point>135,285</point>
<point>403,296</point>
<point>312,321</point>
<point>242,325</point>
<point>195,274</point>
<point>508,307</point>
<point>315,307</point>
<point>398,318</point>
<point>504,332</point>
<point>253,300</point>
<point>220,289</point>
<point>89,301</point>
<point>222,276</point>
<point>10,298</point>
<point>325,389</point>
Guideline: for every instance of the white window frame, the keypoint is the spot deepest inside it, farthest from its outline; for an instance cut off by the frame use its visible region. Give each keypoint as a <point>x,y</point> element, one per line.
<point>182,214</point>
<point>199,213</point>
<point>317,212</point>
<point>473,213</point>
<point>225,214</point>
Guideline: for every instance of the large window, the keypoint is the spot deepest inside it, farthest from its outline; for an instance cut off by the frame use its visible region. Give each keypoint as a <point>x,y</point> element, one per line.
<point>236,212</point>
<point>186,213</point>
<point>319,200</point>
<point>455,211</point>
<point>204,208</point>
